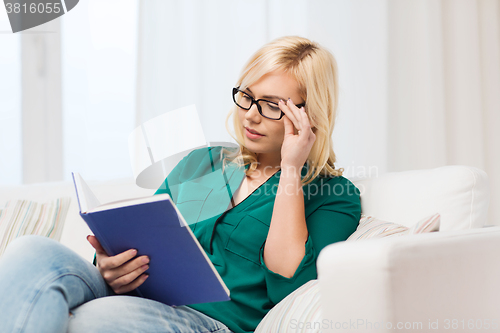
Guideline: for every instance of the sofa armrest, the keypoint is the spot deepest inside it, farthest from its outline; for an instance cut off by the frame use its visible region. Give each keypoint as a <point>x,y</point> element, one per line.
<point>439,279</point>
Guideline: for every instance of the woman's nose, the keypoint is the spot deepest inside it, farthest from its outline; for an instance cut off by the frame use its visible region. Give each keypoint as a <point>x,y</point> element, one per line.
<point>253,114</point>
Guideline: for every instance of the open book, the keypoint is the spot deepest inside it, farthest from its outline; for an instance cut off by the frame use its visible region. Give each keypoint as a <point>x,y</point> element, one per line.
<point>179,270</point>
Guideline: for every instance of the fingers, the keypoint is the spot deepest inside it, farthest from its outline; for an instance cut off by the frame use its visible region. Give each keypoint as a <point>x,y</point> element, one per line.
<point>130,281</point>
<point>95,244</point>
<point>112,272</point>
<point>124,278</point>
<point>122,272</point>
<point>129,287</point>
<point>288,126</point>
<point>297,116</point>
<point>285,107</point>
<point>306,125</point>
<point>110,263</point>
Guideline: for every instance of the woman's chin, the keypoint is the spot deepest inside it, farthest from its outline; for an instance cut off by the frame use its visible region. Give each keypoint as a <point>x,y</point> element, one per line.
<point>260,147</point>
<point>254,147</point>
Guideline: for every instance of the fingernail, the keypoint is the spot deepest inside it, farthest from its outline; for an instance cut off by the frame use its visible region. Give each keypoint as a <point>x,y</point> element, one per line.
<point>289,99</point>
<point>146,275</point>
<point>145,260</point>
<point>282,101</point>
<point>303,109</point>
<point>133,252</point>
<point>88,237</point>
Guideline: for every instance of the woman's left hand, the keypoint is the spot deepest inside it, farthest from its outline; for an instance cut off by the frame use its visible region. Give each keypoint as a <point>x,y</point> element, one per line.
<point>296,147</point>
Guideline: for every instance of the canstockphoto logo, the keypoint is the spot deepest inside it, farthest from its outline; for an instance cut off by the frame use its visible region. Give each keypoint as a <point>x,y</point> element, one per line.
<point>25,14</point>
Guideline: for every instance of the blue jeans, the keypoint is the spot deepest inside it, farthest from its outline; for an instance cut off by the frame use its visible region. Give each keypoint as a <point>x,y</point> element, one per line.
<point>46,287</point>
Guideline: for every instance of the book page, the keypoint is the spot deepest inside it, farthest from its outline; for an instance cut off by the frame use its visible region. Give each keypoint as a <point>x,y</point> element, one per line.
<point>131,202</point>
<point>86,198</point>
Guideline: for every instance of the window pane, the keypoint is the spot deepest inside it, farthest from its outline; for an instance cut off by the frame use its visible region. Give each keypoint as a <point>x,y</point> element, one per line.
<point>10,104</point>
<point>99,71</point>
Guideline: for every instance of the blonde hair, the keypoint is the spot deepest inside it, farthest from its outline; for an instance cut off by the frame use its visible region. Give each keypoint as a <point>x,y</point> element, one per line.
<point>315,70</point>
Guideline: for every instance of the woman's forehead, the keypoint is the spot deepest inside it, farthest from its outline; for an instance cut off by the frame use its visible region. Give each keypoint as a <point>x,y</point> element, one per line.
<point>275,84</point>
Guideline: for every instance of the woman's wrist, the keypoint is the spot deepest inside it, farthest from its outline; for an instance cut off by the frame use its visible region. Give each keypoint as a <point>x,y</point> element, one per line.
<point>291,171</point>
<point>285,243</point>
<point>290,182</point>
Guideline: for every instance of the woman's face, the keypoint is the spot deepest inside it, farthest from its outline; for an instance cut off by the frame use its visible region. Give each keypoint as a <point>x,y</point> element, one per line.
<point>272,87</point>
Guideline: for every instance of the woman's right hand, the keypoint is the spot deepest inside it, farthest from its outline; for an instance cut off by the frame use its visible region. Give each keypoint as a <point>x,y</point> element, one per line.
<point>123,272</point>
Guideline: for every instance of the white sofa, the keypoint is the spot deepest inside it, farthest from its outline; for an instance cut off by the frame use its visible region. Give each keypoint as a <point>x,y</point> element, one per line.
<point>450,275</point>
<point>447,281</point>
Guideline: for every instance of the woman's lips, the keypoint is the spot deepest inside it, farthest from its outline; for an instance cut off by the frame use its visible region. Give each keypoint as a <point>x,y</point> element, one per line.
<point>252,134</point>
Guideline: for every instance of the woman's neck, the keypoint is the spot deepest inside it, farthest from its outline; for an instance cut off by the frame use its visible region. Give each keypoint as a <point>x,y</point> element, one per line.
<point>269,164</point>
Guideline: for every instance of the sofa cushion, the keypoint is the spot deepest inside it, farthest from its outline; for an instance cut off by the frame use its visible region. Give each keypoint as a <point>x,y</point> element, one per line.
<point>459,193</point>
<point>372,227</point>
<point>298,312</point>
<point>24,217</point>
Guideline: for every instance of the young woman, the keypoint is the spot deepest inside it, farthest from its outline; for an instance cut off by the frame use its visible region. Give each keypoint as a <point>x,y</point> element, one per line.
<point>286,202</point>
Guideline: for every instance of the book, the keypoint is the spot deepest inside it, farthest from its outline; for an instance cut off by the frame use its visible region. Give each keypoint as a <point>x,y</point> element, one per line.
<point>179,271</point>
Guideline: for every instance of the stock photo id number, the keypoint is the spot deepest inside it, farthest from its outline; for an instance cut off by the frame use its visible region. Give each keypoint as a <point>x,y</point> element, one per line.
<point>26,14</point>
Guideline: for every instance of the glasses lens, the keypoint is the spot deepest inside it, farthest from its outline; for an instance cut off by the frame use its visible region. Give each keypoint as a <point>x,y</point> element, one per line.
<point>241,99</point>
<point>270,110</point>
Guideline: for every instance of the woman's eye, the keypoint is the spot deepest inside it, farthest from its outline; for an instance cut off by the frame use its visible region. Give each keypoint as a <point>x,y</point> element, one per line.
<point>273,107</point>
<point>247,98</point>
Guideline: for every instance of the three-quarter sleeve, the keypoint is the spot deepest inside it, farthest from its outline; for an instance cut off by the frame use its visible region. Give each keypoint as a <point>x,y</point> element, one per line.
<point>333,221</point>
<point>279,286</point>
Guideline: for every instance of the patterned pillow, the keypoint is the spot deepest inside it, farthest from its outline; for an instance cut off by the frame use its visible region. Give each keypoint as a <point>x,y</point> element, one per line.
<point>298,312</point>
<point>371,227</point>
<point>23,217</point>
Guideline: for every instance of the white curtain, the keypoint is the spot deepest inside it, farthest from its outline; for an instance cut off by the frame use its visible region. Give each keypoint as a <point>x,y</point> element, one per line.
<point>191,52</point>
<point>444,87</point>
<point>419,79</point>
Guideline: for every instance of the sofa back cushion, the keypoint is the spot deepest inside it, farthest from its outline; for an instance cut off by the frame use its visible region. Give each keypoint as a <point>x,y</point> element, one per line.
<point>25,217</point>
<point>460,194</point>
<point>372,227</point>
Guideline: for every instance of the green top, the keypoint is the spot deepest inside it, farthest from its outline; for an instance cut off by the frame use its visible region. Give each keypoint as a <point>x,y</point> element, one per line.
<point>203,193</point>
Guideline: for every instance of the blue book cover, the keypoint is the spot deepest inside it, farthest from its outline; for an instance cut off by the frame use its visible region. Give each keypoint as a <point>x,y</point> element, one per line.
<point>179,271</point>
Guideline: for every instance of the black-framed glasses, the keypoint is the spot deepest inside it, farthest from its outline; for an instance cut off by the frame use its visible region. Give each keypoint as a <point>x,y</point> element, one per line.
<point>267,109</point>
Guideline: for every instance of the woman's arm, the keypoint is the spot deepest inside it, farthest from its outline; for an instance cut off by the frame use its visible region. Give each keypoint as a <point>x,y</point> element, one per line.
<point>285,244</point>
<point>332,216</point>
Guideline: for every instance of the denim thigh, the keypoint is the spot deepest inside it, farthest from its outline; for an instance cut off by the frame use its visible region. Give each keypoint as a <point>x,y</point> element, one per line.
<point>41,280</point>
<point>129,314</point>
